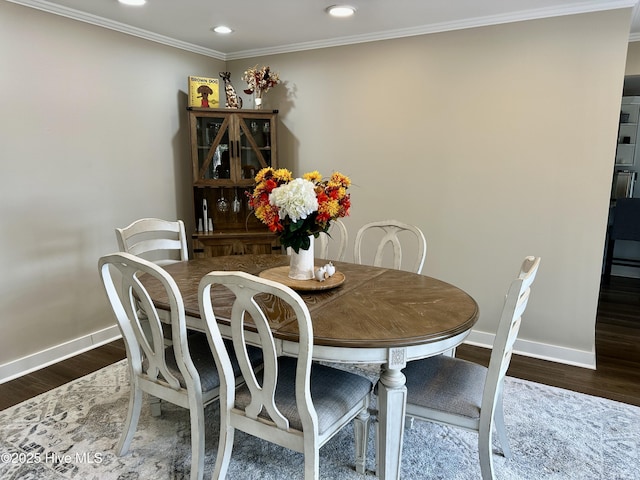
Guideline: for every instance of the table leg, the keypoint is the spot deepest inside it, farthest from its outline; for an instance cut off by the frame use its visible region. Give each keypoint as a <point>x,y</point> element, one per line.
<point>392,402</point>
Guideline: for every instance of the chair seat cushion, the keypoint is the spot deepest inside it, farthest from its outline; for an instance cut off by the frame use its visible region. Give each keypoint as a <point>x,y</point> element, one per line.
<point>204,362</point>
<point>446,384</point>
<point>333,392</point>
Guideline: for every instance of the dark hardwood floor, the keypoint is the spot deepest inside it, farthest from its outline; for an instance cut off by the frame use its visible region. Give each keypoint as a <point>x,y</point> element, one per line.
<point>32,384</point>
<point>617,376</point>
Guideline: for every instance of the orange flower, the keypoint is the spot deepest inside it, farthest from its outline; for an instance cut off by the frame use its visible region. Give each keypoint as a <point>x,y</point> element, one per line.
<point>333,202</point>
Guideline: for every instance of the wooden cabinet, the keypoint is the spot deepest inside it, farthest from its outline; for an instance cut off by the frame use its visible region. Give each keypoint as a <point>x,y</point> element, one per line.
<point>234,243</point>
<point>228,148</point>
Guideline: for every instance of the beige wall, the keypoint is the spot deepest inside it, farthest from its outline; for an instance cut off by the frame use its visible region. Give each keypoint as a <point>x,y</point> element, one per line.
<point>94,135</point>
<point>496,141</point>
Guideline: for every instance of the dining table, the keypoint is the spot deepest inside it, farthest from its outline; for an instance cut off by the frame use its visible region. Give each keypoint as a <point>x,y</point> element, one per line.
<point>365,315</point>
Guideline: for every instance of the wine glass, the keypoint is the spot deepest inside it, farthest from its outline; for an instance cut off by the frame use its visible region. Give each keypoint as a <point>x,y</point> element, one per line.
<point>266,131</point>
<point>222,204</point>
<point>235,204</point>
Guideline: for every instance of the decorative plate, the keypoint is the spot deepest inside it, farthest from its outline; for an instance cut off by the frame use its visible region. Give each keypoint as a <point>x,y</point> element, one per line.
<point>281,275</point>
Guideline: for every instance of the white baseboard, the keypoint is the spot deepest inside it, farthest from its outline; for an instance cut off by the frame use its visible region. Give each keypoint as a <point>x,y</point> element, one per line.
<point>44,358</point>
<point>543,351</point>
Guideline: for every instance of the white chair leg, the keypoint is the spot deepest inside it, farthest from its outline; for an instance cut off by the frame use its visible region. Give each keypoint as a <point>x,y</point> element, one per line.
<point>485,451</point>
<point>501,429</point>
<point>225,447</point>
<point>131,423</point>
<point>376,445</point>
<point>155,406</point>
<point>311,460</point>
<point>361,433</point>
<point>197,439</point>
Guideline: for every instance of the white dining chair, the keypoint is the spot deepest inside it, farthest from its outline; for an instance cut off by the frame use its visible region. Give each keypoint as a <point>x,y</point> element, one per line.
<point>332,245</point>
<point>390,230</point>
<point>464,394</point>
<point>289,402</point>
<point>160,241</point>
<point>183,373</point>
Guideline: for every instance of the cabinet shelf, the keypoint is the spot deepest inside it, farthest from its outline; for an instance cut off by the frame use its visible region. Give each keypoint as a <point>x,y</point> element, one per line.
<point>626,150</point>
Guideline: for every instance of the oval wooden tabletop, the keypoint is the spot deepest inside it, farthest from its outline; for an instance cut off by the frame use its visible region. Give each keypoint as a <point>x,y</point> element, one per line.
<point>374,307</point>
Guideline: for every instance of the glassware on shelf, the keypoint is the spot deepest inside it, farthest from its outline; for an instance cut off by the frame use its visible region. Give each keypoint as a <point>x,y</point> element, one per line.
<point>266,131</point>
<point>212,132</point>
<point>222,204</point>
<point>235,204</point>
<point>215,163</point>
<point>223,169</point>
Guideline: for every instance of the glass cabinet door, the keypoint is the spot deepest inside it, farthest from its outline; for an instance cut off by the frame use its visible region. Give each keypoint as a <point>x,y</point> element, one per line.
<point>213,148</point>
<point>230,148</point>
<point>255,146</point>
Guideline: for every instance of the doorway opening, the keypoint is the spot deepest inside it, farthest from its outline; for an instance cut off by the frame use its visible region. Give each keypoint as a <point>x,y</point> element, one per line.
<point>618,315</point>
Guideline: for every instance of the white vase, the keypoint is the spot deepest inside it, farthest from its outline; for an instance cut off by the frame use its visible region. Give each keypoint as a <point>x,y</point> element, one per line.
<point>301,266</point>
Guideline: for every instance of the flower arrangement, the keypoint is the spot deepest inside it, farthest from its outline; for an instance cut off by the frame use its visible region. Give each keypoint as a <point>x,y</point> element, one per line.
<point>260,80</point>
<point>299,207</point>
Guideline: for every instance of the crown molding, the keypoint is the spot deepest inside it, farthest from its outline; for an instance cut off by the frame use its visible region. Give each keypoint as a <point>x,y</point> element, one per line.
<point>525,15</point>
<point>118,27</point>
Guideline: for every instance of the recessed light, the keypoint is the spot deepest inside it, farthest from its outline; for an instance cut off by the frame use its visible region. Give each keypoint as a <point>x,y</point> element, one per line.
<point>341,10</point>
<point>222,29</point>
<point>133,2</point>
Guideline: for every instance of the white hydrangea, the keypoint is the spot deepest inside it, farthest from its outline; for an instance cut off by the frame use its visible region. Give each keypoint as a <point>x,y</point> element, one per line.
<point>295,199</point>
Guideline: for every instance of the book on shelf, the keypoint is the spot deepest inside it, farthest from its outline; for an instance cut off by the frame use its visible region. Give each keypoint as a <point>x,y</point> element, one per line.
<point>204,92</point>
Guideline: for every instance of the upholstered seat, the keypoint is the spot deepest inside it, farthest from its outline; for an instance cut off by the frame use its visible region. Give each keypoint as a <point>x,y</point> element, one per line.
<point>183,373</point>
<point>291,402</point>
<point>446,384</point>
<point>333,392</point>
<point>204,362</point>
<point>463,394</point>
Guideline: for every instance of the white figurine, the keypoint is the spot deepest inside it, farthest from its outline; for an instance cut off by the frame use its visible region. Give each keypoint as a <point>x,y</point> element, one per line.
<point>320,274</point>
<point>330,269</point>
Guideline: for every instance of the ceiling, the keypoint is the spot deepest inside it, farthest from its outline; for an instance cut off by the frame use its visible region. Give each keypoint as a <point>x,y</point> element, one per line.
<point>278,26</point>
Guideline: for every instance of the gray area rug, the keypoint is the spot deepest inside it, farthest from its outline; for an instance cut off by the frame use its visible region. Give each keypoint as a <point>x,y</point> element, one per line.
<point>70,433</point>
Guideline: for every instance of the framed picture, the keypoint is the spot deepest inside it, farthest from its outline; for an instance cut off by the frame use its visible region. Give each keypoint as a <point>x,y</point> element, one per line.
<point>204,92</point>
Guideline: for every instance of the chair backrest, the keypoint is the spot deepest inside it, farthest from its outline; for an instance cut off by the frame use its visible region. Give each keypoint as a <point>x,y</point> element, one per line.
<point>157,240</point>
<point>391,229</point>
<point>508,328</point>
<point>254,296</point>
<point>626,219</point>
<point>139,321</point>
<point>337,235</point>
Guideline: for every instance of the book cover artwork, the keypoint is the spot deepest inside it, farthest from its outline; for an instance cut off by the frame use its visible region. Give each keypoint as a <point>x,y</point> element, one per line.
<point>203,92</point>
